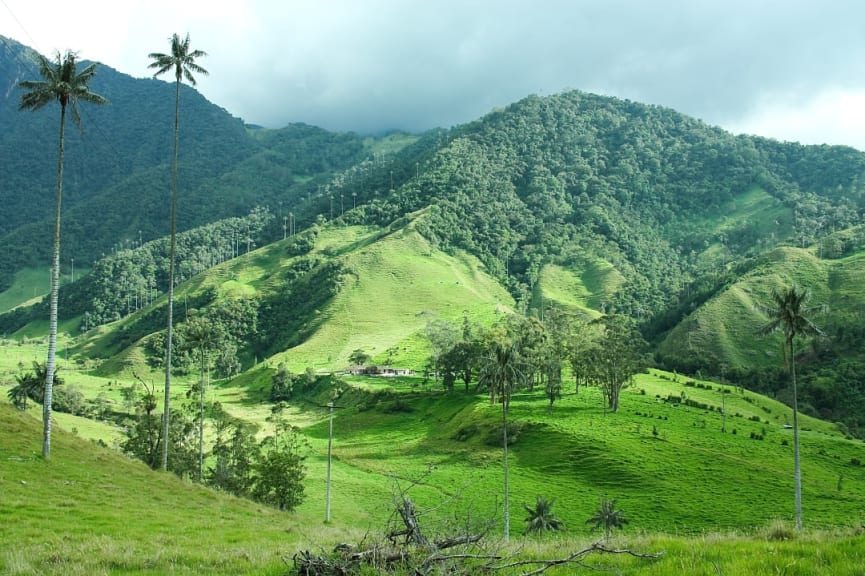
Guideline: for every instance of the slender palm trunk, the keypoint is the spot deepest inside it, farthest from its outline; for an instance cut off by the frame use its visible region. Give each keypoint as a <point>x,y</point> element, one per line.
<point>201,420</point>
<point>52,314</point>
<point>166,414</point>
<point>797,469</point>
<point>505,442</point>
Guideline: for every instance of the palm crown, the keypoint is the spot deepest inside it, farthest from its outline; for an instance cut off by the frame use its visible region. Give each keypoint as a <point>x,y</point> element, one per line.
<point>62,82</point>
<point>180,59</point>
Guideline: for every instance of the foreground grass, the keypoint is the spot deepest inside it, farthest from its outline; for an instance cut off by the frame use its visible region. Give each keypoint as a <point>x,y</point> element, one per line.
<point>91,511</point>
<point>775,549</point>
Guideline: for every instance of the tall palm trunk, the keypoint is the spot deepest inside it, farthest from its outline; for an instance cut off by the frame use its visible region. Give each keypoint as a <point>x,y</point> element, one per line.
<point>201,416</point>
<point>507,511</point>
<point>173,244</point>
<point>50,366</point>
<point>797,469</point>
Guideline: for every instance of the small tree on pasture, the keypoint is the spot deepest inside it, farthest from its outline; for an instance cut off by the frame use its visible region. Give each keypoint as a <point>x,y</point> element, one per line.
<point>608,517</point>
<point>541,519</point>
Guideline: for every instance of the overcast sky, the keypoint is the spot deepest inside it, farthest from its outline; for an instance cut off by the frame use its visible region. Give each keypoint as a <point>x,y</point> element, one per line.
<point>788,69</point>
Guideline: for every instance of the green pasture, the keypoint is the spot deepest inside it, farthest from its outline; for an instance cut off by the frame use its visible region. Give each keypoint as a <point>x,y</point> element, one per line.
<point>396,285</point>
<point>581,288</point>
<point>671,468</point>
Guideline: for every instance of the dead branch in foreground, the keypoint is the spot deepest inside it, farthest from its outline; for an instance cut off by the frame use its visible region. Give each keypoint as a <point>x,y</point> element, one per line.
<point>418,555</point>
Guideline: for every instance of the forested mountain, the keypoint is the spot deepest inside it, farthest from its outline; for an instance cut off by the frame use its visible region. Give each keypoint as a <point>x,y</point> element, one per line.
<point>117,171</point>
<point>680,216</point>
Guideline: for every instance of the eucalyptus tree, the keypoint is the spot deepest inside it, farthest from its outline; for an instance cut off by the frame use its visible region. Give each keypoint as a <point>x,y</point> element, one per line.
<point>788,314</point>
<point>618,355</point>
<point>201,336</point>
<point>181,60</point>
<point>60,81</point>
<point>501,373</point>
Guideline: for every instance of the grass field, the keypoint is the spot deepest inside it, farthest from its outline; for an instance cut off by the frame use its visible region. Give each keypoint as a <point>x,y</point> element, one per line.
<point>31,284</point>
<point>709,501</point>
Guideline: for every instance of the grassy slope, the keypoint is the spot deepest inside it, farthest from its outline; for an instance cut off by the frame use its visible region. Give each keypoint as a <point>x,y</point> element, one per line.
<point>29,285</point>
<point>398,284</point>
<point>583,288</point>
<point>690,477</point>
<point>725,327</point>
<point>91,511</point>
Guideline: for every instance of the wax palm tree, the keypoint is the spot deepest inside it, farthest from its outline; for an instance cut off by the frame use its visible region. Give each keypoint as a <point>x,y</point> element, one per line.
<point>61,82</point>
<point>788,314</point>
<point>608,517</point>
<point>182,61</point>
<point>541,518</point>
<point>501,374</point>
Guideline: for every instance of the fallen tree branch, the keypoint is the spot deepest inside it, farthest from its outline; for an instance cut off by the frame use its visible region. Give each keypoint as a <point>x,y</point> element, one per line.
<point>574,558</point>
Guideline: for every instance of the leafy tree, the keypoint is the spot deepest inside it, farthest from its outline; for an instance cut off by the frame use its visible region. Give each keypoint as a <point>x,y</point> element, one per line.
<point>617,357</point>
<point>182,61</point>
<point>541,518</point>
<point>788,314</point>
<point>280,470</point>
<point>235,452</point>
<point>62,82</point>
<point>554,352</point>
<point>580,342</point>
<point>359,357</point>
<point>144,437</point>
<point>608,517</point>
<point>502,374</point>
<point>281,384</point>
<point>442,336</point>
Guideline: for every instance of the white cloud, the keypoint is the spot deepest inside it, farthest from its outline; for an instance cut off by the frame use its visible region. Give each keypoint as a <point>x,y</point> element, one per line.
<point>774,67</point>
<point>832,117</point>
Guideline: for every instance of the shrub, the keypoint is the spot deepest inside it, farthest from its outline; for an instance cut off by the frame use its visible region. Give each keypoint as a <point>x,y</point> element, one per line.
<point>494,438</point>
<point>779,531</point>
<point>398,406</point>
<point>465,432</point>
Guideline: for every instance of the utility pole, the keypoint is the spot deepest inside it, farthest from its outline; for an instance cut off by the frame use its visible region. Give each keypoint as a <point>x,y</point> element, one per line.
<point>329,453</point>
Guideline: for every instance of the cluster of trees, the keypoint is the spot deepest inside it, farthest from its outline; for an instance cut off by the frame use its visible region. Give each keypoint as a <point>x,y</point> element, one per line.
<point>270,471</point>
<point>285,386</point>
<point>605,352</point>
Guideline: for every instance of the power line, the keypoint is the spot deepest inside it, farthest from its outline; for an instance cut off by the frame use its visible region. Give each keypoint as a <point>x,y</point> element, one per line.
<point>20,25</point>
